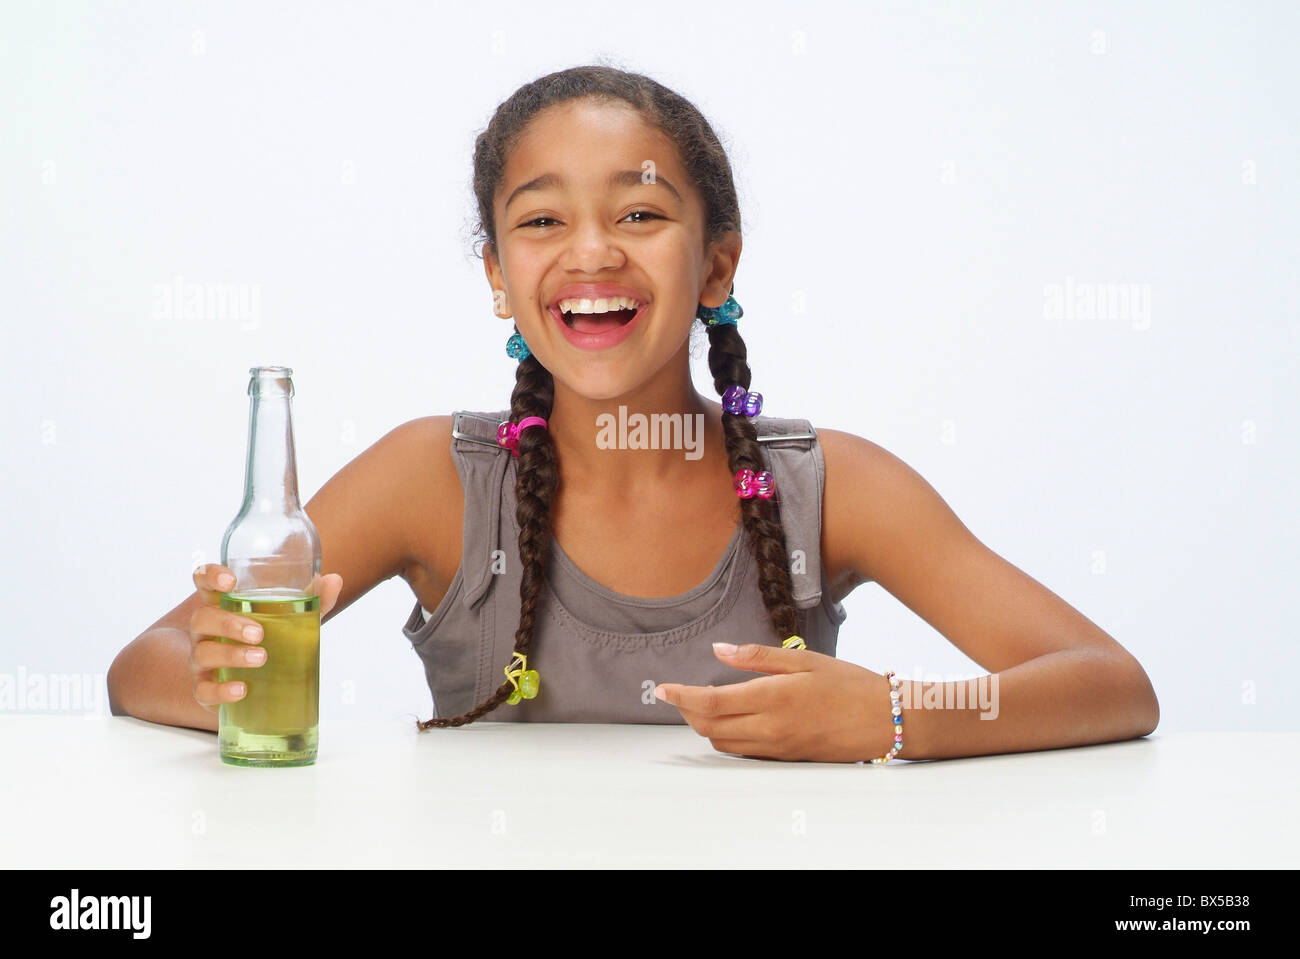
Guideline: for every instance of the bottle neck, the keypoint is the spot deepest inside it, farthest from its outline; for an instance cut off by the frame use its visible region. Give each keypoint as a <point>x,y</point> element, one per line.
<point>271,480</point>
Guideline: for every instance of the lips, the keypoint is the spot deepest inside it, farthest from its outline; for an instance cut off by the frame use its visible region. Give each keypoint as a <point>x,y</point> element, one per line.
<point>609,334</point>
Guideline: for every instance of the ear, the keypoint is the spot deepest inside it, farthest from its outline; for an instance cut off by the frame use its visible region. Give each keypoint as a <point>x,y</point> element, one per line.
<point>721,257</point>
<point>497,281</point>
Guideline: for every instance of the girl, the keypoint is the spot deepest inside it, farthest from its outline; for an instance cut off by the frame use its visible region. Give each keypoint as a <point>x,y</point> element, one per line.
<point>615,570</point>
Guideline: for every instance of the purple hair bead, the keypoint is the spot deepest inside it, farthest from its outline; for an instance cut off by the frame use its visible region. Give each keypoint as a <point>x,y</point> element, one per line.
<point>736,401</point>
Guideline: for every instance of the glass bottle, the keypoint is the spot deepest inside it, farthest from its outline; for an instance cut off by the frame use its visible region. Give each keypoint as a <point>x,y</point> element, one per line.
<point>273,551</point>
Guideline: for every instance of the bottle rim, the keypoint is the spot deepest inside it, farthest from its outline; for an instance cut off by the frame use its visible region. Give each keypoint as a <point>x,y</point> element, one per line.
<point>271,381</point>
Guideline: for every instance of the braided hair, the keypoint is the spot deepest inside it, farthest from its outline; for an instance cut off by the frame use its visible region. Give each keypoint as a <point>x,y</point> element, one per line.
<point>538,477</point>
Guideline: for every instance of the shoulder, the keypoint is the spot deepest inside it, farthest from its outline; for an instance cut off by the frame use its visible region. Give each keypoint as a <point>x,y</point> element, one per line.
<point>416,456</point>
<point>388,472</point>
<point>419,451</point>
<point>874,505</point>
<point>849,453</point>
<point>363,513</point>
<point>424,442</point>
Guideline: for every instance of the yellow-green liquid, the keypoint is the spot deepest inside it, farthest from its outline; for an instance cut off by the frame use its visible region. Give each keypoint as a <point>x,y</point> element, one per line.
<point>275,723</point>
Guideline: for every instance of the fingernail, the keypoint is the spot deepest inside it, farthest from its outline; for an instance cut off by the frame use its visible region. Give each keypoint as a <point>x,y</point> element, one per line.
<point>659,693</point>
<point>252,633</point>
<point>256,656</point>
<point>225,581</point>
<point>237,689</point>
<point>725,648</point>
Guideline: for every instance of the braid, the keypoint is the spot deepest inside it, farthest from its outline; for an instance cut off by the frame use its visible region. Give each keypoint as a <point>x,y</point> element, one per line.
<point>728,365</point>
<point>536,480</point>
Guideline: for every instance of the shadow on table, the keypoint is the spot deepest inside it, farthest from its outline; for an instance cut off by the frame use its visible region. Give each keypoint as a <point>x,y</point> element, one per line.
<point>204,741</point>
<point>1118,755</point>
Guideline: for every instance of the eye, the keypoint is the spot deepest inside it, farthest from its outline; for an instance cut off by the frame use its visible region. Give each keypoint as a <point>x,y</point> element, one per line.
<point>647,214</point>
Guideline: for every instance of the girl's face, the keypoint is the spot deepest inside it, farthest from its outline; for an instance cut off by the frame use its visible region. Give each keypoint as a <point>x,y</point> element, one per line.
<point>592,196</point>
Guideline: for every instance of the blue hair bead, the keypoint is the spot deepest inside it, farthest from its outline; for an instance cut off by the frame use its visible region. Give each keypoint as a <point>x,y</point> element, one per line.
<point>725,315</point>
<point>517,349</point>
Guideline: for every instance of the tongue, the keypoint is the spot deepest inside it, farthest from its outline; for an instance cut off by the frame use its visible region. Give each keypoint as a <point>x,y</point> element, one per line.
<point>600,322</point>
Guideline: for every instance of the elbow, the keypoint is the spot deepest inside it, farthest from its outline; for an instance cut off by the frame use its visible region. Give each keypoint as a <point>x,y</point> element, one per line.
<point>114,681</point>
<point>1153,716</point>
<point>1142,695</point>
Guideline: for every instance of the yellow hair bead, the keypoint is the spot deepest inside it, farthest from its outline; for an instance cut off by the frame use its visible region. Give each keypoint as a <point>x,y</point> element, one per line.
<point>526,682</point>
<point>794,642</point>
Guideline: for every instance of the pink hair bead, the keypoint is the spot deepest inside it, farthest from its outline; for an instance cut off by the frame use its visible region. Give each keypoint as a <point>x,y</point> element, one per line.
<point>508,433</point>
<point>750,484</point>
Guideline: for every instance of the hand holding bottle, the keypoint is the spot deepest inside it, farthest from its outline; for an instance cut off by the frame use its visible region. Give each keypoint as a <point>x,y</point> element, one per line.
<point>209,624</point>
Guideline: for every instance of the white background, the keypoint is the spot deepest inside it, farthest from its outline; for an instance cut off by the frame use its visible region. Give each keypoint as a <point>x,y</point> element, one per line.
<point>913,179</point>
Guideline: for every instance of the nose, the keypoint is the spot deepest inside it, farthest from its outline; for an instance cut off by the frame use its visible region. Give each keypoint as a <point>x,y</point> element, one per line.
<point>593,248</point>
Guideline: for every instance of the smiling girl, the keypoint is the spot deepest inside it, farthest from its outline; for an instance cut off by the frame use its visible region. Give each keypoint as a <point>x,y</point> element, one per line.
<point>562,577</point>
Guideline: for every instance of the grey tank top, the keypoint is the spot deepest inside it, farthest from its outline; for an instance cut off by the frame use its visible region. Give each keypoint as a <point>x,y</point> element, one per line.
<point>599,653</point>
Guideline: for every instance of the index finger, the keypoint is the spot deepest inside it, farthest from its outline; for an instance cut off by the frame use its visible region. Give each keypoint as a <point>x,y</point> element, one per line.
<point>211,580</point>
<point>734,699</point>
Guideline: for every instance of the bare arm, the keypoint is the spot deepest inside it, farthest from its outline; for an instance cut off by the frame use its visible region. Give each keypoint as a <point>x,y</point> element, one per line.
<point>1056,678</point>
<point>362,519</point>
<point>150,678</point>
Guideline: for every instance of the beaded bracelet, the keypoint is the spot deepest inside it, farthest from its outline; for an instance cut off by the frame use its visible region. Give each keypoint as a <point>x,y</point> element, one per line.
<point>896,715</point>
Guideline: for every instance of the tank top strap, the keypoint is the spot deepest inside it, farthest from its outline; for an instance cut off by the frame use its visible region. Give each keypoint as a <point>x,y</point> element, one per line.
<point>794,457</point>
<point>482,465</point>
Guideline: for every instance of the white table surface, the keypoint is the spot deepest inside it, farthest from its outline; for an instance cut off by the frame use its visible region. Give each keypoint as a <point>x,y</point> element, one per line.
<point>105,792</point>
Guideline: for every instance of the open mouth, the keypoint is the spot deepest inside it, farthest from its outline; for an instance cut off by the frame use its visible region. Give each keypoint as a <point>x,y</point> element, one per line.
<point>597,322</point>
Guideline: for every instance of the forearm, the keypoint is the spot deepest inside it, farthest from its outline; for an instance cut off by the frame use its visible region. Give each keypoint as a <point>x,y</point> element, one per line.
<point>1072,697</point>
<point>150,679</point>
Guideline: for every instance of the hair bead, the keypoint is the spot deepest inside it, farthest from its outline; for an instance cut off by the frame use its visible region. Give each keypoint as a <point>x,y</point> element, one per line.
<point>525,681</point>
<point>516,348</point>
<point>726,314</point>
<point>508,433</point>
<point>737,402</point>
<point>750,484</point>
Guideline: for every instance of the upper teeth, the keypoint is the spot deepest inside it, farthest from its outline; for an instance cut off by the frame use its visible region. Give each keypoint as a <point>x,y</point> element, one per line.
<point>603,305</point>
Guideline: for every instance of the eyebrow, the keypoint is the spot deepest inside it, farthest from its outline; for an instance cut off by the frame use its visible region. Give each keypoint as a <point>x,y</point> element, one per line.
<point>619,178</point>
